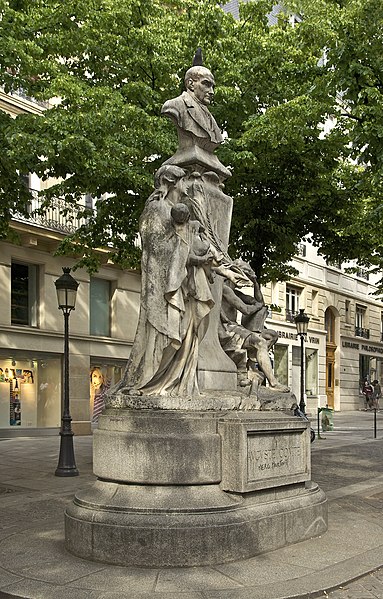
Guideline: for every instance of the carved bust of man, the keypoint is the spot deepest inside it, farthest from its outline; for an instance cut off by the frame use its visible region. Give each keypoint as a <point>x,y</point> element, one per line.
<point>190,112</point>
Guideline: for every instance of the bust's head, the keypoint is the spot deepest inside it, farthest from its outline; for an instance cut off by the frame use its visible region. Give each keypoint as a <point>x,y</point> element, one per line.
<point>199,83</point>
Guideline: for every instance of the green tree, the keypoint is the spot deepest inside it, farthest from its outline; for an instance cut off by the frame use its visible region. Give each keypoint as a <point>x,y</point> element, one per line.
<point>291,177</point>
<point>113,63</point>
<point>351,34</point>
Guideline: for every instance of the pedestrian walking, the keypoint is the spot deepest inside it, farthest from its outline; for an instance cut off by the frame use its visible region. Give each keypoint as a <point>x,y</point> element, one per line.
<point>368,392</point>
<point>377,393</point>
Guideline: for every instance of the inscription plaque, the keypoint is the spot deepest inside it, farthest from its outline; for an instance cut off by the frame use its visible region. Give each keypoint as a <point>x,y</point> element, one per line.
<point>271,456</point>
<point>263,451</point>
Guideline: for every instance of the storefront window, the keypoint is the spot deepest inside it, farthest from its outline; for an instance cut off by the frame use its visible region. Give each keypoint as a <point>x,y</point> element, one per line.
<point>311,379</point>
<point>281,363</point>
<point>364,369</point>
<point>30,393</point>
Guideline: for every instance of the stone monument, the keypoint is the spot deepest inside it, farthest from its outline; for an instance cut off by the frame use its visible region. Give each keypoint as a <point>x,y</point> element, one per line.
<point>197,461</point>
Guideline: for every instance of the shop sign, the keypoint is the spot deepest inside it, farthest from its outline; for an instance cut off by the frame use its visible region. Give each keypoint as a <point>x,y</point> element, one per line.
<point>369,348</point>
<point>285,335</point>
<point>372,349</point>
<point>350,345</point>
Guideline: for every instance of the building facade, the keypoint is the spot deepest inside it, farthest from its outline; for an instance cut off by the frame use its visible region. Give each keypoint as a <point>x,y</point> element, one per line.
<point>101,327</point>
<point>344,341</point>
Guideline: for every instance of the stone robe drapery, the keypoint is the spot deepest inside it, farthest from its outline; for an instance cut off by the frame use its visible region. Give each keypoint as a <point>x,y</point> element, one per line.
<point>175,302</point>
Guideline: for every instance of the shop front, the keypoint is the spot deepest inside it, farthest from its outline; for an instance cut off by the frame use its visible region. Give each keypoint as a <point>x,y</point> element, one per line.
<point>287,365</point>
<point>30,392</point>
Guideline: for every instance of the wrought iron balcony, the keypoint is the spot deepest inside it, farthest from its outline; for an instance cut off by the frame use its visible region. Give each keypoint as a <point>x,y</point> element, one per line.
<point>362,273</point>
<point>60,216</point>
<point>361,332</point>
<point>290,315</point>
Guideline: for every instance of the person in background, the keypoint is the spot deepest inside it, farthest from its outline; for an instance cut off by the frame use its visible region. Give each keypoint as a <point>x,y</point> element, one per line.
<point>368,392</point>
<point>377,394</point>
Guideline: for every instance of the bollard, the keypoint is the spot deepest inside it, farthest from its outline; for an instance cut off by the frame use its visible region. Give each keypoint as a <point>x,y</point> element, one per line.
<point>318,424</point>
<point>374,423</point>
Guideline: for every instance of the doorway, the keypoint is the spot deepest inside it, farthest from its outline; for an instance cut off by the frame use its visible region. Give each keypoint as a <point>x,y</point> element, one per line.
<point>330,356</point>
<point>330,378</point>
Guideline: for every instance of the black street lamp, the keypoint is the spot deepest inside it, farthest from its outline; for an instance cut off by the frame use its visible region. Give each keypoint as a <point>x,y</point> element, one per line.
<point>66,289</point>
<point>302,323</point>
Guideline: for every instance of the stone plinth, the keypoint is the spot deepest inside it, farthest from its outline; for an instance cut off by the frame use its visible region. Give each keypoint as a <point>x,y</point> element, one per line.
<point>178,488</point>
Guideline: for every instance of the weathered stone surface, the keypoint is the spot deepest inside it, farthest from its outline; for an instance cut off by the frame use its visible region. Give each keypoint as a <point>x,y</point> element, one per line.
<point>272,399</point>
<point>183,488</point>
<point>159,448</point>
<point>205,527</point>
<point>263,453</point>
<point>265,399</point>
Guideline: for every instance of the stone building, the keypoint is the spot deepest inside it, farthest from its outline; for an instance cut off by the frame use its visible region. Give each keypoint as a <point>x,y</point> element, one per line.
<point>101,327</point>
<point>344,341</point>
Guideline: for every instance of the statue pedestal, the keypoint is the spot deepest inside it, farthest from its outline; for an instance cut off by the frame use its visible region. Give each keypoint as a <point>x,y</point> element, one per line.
<point>192,488</point>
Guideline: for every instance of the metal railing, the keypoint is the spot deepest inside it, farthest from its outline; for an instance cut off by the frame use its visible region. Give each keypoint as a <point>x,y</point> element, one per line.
<point>59,216</point>
<point>19,92</point>
<point>362,273</point>
<point>290,315</point>
<point>361,332</point>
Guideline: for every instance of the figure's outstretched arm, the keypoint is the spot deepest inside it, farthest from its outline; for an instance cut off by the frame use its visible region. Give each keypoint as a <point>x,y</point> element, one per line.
<point>235,301</point>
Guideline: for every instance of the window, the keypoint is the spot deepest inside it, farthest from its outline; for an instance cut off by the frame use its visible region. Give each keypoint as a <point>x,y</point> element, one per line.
<point>302,250</point>
<point>330,326</point>
<point>99,307</point>
<point>362,273</point>
<point>381,326</point>
<point>360,318</point>
<point>30,390</point>
<point>24,294</point>
<point>311,378</point>
<point>292,302</point>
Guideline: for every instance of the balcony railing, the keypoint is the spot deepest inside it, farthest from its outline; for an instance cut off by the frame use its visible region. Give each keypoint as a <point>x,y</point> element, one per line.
<point>60,216</point>
<point>362,273</point>
<point>361,332</point>
<point>290,315</point>
<point>21,94</point>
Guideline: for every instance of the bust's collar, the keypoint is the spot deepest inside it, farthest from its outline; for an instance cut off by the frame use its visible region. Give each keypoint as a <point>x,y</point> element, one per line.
<point>192,102</point>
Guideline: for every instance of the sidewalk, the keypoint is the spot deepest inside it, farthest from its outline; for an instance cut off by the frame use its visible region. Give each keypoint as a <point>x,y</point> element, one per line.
<point>347,463</point>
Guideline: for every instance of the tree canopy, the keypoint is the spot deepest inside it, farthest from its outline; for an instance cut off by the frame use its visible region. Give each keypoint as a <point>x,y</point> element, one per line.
<point>113,63</point>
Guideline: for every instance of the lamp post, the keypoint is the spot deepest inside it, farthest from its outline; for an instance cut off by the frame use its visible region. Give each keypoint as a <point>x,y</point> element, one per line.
<point>66,289</point>
<point>302,323</point>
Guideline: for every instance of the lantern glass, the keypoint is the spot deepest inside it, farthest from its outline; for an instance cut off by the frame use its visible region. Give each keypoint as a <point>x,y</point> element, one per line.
<point>66,289</point>
<point>302,322</point>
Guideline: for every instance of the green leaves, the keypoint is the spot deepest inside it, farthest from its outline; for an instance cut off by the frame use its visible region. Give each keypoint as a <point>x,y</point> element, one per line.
<point>301,105</point>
